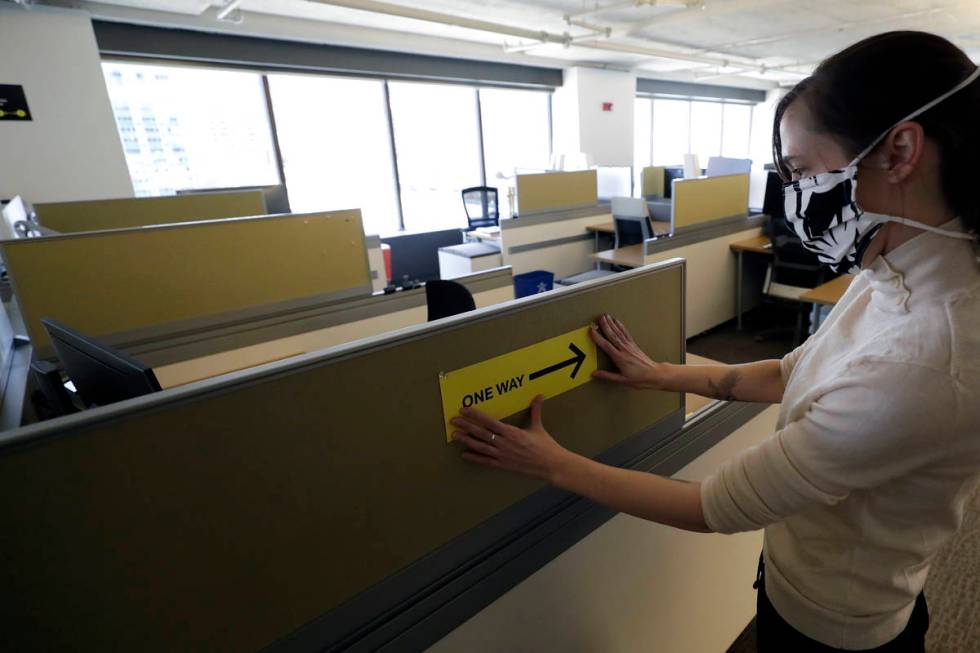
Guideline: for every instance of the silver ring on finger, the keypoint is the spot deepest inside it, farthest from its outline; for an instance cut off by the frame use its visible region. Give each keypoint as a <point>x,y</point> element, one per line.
<point>493,436</point>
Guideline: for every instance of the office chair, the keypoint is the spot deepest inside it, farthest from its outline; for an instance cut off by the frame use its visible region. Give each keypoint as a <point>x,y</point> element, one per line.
<point>793,271</point>
<point>446,298</point>
<point>480,203</point>
<point>631,216</point>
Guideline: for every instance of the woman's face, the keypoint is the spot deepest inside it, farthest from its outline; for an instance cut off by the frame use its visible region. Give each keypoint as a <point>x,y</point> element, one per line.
<point>805,151</point>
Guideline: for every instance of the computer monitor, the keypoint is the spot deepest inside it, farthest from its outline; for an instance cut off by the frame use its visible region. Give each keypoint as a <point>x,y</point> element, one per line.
<point>101,375</point>
<point>275,196</point>
<point>719,166</point>
<point>415,257</point>
<point>670,174</point>
<point>773,203</point>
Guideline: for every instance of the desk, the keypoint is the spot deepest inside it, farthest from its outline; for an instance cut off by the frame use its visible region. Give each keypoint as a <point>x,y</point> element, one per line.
<point>627,257</point>
<point>757,245</point>
<point>608,228</point>
<point>827,294</point>
<point>481,236</point>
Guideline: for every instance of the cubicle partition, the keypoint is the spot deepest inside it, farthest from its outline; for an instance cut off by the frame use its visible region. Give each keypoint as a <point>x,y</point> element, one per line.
<point>702,200</point>
<point>128,284</point>
<point>183,358</point>
<point>313,504</point>
<point>123,213</point>
<point>553,191</point>
<point>652,180</point>
<point>554,236</point>
<point>709,213</point>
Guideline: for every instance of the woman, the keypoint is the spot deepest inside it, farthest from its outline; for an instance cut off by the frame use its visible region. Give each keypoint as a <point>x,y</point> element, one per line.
<point>878,439</point>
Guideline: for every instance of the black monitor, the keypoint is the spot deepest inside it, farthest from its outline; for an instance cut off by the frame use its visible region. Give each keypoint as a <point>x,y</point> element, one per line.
<point>773,203</point>
<point>101,375</point>
<point>415,257</point>
<point>275,196</point>
<point>670,174</point>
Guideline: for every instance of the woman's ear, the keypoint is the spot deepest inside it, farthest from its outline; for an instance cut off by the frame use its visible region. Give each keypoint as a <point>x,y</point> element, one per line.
<point>901,151</point>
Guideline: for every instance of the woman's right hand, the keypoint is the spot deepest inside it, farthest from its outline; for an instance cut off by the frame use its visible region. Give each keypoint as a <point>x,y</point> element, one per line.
<point>634,368</point>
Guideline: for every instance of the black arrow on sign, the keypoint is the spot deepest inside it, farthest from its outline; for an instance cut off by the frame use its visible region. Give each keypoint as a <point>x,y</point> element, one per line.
<point>576,360</point>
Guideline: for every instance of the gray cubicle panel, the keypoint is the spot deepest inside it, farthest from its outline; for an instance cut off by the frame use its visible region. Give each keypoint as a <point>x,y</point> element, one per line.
<point>304,504</point>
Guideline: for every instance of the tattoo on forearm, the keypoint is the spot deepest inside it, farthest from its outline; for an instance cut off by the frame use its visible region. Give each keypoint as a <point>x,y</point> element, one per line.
<point>724,389</point>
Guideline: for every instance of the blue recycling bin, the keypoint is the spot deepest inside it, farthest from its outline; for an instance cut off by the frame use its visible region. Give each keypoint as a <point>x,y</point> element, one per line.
<point>531,283</point>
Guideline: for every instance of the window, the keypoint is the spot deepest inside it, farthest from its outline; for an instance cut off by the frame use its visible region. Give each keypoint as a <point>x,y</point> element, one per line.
<point>736,130</point>
<point>191,128</point>
<point>516,137</point>
<point>336,151</point>
<point>705,128</point>
<point>671,133</point>
<point>642,143</point>
<point>437,141</point>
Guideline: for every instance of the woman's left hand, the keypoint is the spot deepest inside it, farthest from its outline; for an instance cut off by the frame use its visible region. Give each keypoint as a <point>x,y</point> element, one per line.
<point>530,451</point>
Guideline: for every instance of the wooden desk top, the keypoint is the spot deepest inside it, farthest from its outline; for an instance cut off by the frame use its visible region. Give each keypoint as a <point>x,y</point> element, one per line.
<point>830,292</point>
<point>627,257</point>
<point>757,245</point>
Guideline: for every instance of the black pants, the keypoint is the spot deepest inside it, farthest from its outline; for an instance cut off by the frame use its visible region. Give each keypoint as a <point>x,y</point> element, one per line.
<point>774,635</point>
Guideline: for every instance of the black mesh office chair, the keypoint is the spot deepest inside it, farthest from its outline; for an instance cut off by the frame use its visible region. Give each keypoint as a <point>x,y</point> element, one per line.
<point>446,298</point>
<point>480,203</point>
<point>793,271</point>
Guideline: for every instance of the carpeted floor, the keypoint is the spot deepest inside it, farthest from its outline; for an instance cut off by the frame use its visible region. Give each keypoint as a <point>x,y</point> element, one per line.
<point>726,344</point>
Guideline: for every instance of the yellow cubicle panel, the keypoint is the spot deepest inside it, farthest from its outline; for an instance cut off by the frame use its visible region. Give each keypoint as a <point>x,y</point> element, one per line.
<point>109,282</point>
<point>122,213</point>
<point>704,199</point>
<point>225,516</point>
<point>552,191</point>
<point>652,179</point>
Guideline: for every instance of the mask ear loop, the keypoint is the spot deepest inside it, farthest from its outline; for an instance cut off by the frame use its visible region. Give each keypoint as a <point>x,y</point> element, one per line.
<point>966,82</point>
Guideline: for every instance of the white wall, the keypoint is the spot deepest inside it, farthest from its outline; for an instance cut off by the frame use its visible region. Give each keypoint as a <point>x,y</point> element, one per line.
<point>71,150</point>
<point>632,585</point>
<point>582,126</point>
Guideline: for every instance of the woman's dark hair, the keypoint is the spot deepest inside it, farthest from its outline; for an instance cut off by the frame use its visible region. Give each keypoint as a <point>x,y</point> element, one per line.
<point>861,91</point>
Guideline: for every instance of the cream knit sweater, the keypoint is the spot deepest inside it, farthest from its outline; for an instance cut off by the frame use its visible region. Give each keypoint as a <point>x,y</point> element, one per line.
<point>876,448</point>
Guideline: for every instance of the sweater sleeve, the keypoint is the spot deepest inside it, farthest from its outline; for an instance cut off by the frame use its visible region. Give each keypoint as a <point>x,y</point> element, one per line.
<point>788,362</point>
<point>877,422</point>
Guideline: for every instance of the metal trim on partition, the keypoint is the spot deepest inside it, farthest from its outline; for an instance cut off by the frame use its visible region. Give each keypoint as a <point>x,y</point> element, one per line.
<point>700,233</point>
<point>372,241</point>
<point>178,346</point>
<point>554,215</point>
<point>131,40</point>
<point>530,247</point>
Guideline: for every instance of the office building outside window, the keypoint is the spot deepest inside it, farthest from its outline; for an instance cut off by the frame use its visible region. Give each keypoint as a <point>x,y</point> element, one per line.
<point>516,137</point>
<point>191,128</point>
<point>671,134</point>
<point>437,141</point>
<point>336,151</point>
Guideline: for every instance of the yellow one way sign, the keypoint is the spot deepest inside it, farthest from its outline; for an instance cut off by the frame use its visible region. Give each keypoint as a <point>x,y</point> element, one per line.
<point>506,384</point>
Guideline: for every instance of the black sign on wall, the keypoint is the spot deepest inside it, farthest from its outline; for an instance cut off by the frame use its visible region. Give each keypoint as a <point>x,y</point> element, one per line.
<point>13,103</point>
